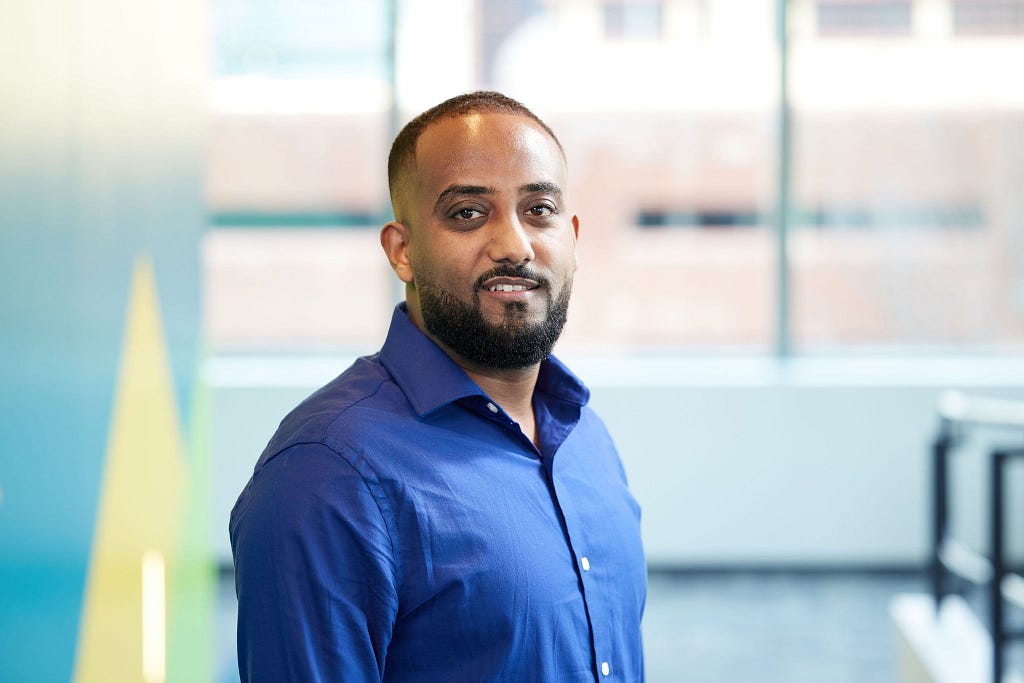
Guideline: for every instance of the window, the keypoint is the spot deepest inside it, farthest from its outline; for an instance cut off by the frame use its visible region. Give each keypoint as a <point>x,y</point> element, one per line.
<point>988,17</point>
<point>864,17</point>
<point>296,181</point>
<point>906,225</point>
<point>905,169</point>
<point>633,19</point>
<point>304,39</point>
<point>498,19</point>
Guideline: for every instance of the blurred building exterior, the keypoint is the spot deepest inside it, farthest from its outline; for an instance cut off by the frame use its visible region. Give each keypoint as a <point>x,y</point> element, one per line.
<point>907,223</point>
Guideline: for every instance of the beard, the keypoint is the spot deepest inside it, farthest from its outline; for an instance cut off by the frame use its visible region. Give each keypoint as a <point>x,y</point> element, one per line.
<point>510,344</point>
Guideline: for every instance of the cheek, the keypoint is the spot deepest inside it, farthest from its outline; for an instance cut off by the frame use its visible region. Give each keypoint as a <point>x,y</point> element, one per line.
<point>562,254</point>
<point>441,265</point>
<point>423,267</point>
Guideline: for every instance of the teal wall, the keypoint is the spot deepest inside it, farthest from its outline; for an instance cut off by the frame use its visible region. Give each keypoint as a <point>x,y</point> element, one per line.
<point>100,161</point>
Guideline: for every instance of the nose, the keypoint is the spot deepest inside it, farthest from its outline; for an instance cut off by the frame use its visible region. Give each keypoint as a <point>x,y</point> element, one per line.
<point>510,241</point>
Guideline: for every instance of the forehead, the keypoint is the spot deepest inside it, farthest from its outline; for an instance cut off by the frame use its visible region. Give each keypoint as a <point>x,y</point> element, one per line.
<point>486,148</point>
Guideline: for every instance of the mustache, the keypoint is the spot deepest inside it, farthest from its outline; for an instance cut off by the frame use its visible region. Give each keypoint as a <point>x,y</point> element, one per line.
<point>509,270</point>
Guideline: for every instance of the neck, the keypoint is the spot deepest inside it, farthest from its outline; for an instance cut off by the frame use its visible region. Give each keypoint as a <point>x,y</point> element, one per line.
<point>512,389</point>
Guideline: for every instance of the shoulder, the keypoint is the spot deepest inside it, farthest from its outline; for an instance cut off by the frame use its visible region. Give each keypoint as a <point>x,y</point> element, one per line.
<point>319,465</point>
<point>593,444</point>
<point>343,414</point>
<point>308,526</point>
<point>307,489</point>
<point>592,426</point>
<point>323,458</point>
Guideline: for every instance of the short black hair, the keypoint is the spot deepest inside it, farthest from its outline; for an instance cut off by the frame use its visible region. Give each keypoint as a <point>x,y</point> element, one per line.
<point>403,149</point>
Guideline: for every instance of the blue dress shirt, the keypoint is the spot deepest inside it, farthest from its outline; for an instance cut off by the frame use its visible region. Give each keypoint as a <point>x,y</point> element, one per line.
<point>400,526</point>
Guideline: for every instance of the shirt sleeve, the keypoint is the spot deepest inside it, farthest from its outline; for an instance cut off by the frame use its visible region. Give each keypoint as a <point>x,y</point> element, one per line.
<point>314,571</point>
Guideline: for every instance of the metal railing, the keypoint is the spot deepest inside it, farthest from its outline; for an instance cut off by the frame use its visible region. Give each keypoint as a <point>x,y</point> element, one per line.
<point>953,560</point>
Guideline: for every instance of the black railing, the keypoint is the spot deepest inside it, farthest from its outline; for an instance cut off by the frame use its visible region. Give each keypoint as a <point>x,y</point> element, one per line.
<point>955,565</point>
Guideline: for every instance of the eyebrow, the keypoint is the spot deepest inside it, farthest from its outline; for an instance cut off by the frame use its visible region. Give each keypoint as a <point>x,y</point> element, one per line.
<point>452,190</point>
<point>541,187</point>
<point>478,190</point>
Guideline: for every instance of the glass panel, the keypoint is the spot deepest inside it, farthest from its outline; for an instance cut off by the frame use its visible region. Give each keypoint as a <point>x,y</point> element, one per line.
<point>991,17</point>
<point>296,179</point>
<point>667,119</point>
<point>313,37</point>
<point>908,159</point>
<point>863,17</point>
<point>666,112</point>
<point>633,19</point>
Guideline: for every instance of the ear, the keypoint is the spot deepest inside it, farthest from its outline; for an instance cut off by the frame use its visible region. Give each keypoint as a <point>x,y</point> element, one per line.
<point>575,238</point>
<point>394,238</point>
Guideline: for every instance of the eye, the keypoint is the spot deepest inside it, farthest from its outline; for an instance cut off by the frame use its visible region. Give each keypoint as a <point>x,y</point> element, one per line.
<point>541,210</point>
<point>467,214</point>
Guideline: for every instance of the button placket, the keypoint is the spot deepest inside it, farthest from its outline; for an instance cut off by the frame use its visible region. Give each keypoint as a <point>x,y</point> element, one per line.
<point>589,584</point>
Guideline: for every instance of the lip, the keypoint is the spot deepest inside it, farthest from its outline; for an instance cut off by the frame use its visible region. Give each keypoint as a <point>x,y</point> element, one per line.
<point>502,285</point>
<point>499,284</point>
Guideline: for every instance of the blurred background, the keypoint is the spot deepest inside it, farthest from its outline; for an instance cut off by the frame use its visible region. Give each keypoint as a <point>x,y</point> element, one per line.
<point>800,222</point>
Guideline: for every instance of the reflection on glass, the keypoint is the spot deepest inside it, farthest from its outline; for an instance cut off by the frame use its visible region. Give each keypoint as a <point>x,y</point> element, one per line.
<point>906,159</point>
<point>906,152</point>
<point>665,110</point>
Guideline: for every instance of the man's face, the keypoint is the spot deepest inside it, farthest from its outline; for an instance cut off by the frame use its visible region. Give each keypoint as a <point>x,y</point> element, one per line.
<point>490,243</point>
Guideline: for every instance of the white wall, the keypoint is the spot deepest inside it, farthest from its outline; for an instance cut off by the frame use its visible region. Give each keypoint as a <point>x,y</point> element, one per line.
<point>740,462</point>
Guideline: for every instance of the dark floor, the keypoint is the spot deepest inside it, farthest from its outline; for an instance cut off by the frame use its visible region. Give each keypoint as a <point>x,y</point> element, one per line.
<point>744,627</point>
<point>773,627</point>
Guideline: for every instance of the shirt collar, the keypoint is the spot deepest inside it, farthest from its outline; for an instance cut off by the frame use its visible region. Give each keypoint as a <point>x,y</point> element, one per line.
<point>430,379</point>
<point>558,381</point>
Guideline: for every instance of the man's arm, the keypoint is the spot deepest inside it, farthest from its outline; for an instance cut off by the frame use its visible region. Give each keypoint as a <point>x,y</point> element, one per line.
<point>314,571</point>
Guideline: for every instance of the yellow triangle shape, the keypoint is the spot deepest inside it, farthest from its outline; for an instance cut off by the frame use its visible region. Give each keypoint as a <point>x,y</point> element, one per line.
<point>136,534</point>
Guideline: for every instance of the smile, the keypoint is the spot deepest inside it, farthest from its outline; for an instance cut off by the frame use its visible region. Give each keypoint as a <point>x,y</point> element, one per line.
<point>509,284</point>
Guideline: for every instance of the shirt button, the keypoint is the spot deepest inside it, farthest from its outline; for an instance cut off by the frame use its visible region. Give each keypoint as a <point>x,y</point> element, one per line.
<point>605,669</point>
<point>491,407</point>
<point>585,563</point>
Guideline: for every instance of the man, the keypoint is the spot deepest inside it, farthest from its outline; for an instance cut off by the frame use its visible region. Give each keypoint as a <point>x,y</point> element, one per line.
<point>449,509</point>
